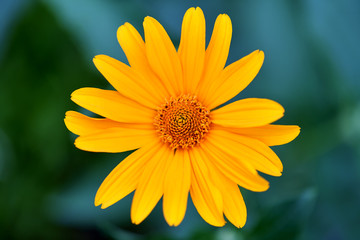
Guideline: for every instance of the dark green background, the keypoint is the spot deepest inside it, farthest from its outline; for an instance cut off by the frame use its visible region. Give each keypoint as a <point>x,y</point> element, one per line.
<point>47,186</point>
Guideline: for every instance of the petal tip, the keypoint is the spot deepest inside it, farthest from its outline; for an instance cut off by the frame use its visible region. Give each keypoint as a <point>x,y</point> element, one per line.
<point>96,202</point>
<point>135,220</point>
<point>277,174</point>
<point>221,224</point>
<point>80,144</point>
<point>73,94</point>
<point>263,188</point>
<point>239,225</point>
<point>279,107</point>
<point>122,29</point>
<point>226,17</point>
<point>106,204</point>
<point>96,61</point>
<point>192,9</point>
<point>100,57</point>
<point>77,92</point>
<point>296,131</point>
<point>199,12</point>
<point>148,19</point>
<point>98,198</point>
<point>261,54</point>
<point>76,142</point>
<point>172,224</point>
<point>70,113</point>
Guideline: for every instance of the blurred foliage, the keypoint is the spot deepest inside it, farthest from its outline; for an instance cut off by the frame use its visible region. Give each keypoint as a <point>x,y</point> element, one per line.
<point>47,186</point>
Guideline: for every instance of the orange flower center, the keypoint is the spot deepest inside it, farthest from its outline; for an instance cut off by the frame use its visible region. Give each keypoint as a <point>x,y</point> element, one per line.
<point>182,121</point>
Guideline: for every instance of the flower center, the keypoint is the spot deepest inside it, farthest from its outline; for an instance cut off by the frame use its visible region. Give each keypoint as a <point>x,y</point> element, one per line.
<point>182,121</point>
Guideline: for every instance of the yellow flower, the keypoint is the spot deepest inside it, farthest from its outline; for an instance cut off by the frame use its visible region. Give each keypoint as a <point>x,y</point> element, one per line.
<point>165,106</point>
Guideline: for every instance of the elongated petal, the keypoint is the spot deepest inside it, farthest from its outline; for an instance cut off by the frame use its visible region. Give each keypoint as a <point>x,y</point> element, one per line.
<point>80,124</point>
<point>234,205</point>
<point>216,53</point>
<point>234,79</point>
<point>112,105</point>
<point>192,48</point>
<point>150,187</point>
<point>134,47</point>
<point>249,150</point>
<point>205,195</point>
<point>113,140</point>
<point>162,56</point>
<point>249,112</point>
<point>271,135</point>
<point>127,82</point>
<point>125,177</point>
<point>240,172</point>
<point>176,188</point>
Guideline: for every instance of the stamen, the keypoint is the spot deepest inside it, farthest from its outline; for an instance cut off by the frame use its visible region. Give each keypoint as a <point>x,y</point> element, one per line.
<point>182,121</point>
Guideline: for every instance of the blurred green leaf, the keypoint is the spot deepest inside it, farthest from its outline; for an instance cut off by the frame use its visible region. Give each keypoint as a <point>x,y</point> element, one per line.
<point>285,221</point>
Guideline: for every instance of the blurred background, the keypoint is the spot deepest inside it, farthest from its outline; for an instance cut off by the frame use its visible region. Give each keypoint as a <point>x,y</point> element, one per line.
<point>47,186</point>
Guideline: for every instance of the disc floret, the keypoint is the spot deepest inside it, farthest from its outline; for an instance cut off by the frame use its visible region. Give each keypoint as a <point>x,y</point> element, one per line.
<point>182,122</point>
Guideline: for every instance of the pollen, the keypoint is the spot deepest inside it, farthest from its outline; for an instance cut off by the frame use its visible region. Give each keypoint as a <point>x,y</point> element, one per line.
<point>182,122</point>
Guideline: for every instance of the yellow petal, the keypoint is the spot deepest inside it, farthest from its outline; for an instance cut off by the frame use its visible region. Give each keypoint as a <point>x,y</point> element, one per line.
<point>113,140</point>
<point>249,112</point>
<point>162,56</point>
<point>216,53</point>
<point>125,177</point>
<point>134,48</point>
<point>234,79</point>
<point>112,105</point>
<point>205,195</point>
<point>240,172</point>
<point>176,188</point>
<point>127,82</point>
<point>234,205</point>
<point>249,150</point>
<point>192,48</point>
<point>80,124</point>
<point>271,135</point>
<point>150,187</point>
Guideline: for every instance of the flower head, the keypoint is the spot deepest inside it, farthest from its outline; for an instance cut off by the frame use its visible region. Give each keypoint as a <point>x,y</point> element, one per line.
<point>165,106</point>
